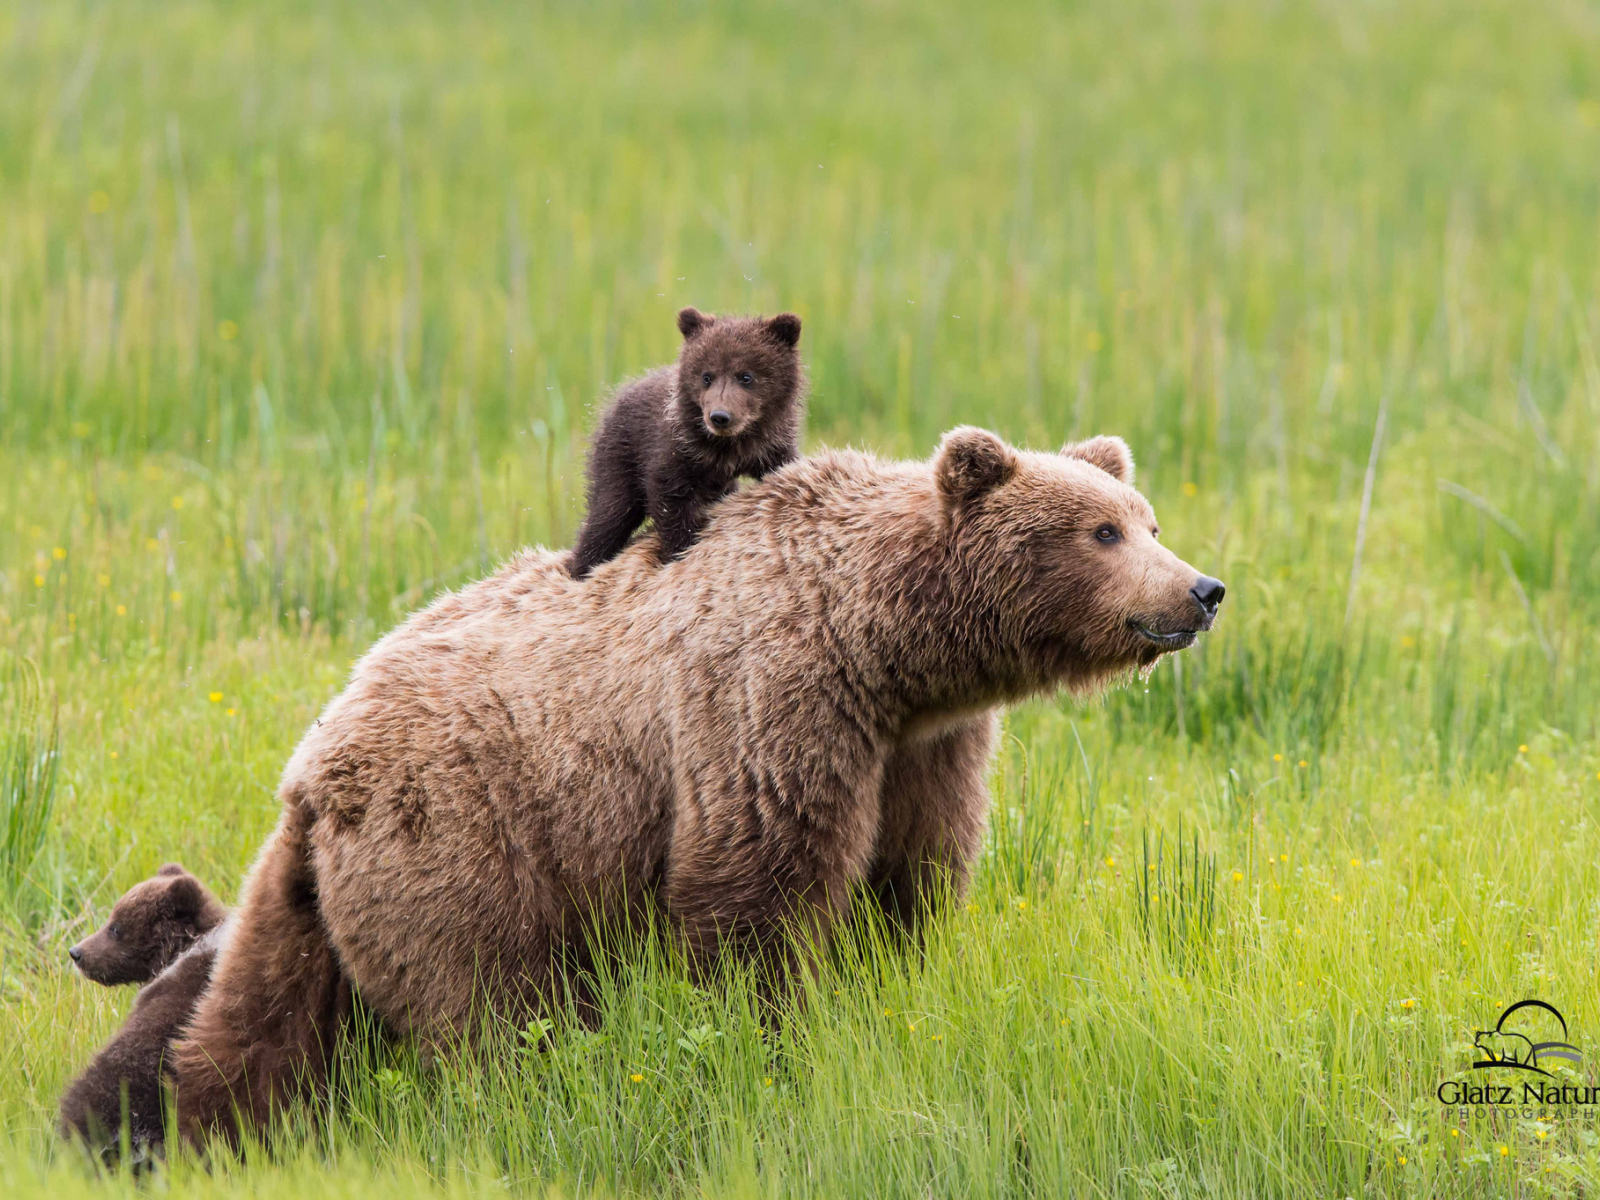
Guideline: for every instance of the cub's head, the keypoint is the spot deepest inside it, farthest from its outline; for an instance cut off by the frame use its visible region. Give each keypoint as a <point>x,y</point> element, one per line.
<point>1064,556</point>
<point>737,376</point>
<point>153,923</point>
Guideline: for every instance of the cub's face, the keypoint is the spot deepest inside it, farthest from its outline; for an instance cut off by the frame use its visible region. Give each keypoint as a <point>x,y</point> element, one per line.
<point>153,923</point>
<point>736,374</point>
<point>1071,557</point>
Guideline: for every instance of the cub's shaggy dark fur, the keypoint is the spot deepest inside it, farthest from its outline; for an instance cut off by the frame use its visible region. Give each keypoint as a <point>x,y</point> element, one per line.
<point>164,933</point>
<point>673,442</point>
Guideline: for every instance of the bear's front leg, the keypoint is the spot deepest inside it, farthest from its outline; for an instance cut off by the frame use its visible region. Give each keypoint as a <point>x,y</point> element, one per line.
<point>935,807</point>
<point>763,857</point>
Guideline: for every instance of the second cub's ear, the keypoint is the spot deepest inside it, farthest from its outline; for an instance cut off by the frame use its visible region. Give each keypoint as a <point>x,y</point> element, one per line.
<point>970,462</point>
<point>786,328</point>
<point>1110,454</point>
<point>171,869</point>
<point>184,897</point>
<point>691,321</point>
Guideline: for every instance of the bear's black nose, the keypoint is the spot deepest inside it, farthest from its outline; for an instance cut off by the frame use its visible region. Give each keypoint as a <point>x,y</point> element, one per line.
<point>74,954</point>
<point>1208,593</point>
<point>720,419</point>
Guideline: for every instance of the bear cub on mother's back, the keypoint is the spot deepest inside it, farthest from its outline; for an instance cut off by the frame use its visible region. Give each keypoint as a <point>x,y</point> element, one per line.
<point>673,442</point>
<point>163,934</point>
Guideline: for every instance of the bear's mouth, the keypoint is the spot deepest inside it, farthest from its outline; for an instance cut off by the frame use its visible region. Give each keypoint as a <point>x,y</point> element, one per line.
<point>1178,639</point>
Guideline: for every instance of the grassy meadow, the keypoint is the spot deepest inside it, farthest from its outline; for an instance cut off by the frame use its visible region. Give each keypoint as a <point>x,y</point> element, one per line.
<point>306,311</point>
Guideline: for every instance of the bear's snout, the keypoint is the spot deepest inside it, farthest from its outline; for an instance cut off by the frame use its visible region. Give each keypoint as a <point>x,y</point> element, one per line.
<point>1208,594</point>
<point>720,419</point>
<point>75,954</point>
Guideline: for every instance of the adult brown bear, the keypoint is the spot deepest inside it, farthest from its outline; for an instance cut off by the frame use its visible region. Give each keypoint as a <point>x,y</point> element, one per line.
<point>802,704</point>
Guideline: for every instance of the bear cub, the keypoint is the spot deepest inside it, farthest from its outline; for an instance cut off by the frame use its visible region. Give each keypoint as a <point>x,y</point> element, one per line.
<point>674,442</point>
<point>164,934</point>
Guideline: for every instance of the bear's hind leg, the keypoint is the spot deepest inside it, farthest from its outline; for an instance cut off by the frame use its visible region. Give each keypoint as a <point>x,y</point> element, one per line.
<point>263,1033</point>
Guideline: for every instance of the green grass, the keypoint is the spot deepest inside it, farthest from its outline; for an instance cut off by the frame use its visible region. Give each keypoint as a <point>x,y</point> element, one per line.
<point>304,313</point>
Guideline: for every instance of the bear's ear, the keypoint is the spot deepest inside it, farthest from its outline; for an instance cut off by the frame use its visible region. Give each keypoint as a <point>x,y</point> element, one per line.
<point>786,328</point>
<point>691,321</point>
<point>171,869</point>
<point>184,897</point>
<point>1110,454</point>
<point>970,462</point>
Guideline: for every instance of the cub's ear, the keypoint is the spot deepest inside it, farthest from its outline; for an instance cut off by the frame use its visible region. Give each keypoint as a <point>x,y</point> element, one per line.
<point>786,328</point>
<point>184,897</point>
<point>970,462</point>
<point>171,869</point>
<point>691,321</point>
<point>1110,454</point>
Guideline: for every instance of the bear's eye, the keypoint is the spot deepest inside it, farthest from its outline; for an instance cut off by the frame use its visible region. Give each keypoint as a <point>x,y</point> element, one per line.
<point>115,930</point>
<point>707,378</point>
<point>1108,534</point>
<point>747,379</point>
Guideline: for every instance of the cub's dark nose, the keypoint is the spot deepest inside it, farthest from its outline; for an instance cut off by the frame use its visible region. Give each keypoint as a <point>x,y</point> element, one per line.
<point>720,419</point>
<point>1208,593</point>
<point>75,954</point>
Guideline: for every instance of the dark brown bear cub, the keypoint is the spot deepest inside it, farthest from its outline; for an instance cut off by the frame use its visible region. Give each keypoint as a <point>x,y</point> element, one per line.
<point>673,442</point>
<point>164,934</point>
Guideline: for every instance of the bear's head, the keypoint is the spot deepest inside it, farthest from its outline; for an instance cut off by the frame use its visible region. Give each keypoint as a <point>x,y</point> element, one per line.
<point>151,925</point>
<point>1063,558</point>
<point>738,377</point>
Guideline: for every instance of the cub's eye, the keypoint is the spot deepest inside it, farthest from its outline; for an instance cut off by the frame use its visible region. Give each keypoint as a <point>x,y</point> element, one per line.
<point>115,930</point>
<point>747,379</point>
<point>1108,534</point>
<point>707,378</point>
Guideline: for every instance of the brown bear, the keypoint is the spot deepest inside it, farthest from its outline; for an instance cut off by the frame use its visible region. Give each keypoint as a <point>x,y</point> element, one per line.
<point>802,707</point>
<point>163,933</point>
<point>674,441</point>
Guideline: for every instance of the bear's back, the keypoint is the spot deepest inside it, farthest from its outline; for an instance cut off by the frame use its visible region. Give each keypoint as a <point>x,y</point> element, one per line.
<point>517,684</point>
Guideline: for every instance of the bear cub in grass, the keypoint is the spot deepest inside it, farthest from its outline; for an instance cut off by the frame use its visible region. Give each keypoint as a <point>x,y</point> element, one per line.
<point>674,442</point>
<point>164,934</point>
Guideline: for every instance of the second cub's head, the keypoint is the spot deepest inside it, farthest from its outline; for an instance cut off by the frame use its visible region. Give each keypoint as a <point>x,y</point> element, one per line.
<point>153,923</point>
<point>737,376</point>
<point>1061,560</point>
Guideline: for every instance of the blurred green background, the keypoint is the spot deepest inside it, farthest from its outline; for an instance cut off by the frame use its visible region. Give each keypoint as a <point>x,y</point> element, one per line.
<point>306,311</point>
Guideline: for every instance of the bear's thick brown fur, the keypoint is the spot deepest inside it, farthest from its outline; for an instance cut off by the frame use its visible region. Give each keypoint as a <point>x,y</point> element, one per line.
<point>163,933</point>
<point>803,704</point>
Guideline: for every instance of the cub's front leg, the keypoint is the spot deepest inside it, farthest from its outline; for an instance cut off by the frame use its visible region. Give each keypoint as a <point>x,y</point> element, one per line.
<point>678,507</point>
